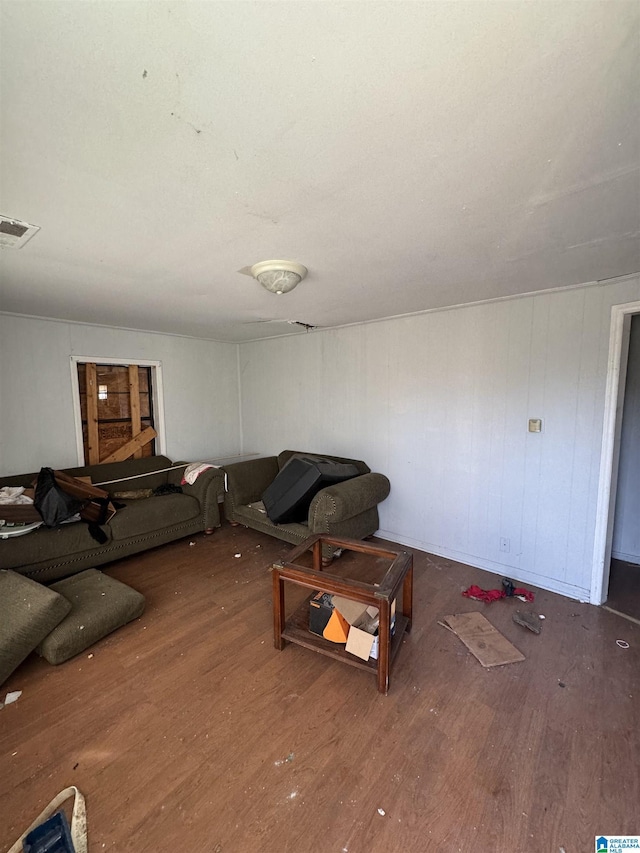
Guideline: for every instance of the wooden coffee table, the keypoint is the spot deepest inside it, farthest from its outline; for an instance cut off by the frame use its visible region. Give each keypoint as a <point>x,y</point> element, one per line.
<point>380,588</point>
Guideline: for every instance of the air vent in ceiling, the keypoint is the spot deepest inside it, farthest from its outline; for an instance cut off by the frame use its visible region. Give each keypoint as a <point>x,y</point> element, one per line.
<point>14,233</point>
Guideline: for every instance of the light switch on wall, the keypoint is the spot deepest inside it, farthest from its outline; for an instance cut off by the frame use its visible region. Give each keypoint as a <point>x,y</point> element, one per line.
<point>535,425</point>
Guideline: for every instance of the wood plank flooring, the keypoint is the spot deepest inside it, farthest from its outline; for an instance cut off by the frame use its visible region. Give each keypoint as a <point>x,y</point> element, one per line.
<point>188,731</point>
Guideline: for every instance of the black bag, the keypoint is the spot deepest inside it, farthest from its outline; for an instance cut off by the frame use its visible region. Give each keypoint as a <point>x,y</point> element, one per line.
<point>53,503</point>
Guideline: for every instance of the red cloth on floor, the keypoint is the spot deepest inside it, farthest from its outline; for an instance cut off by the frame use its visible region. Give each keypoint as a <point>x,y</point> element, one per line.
<point>490,595</point>
<point>487,595</point>
<point>524,593</point>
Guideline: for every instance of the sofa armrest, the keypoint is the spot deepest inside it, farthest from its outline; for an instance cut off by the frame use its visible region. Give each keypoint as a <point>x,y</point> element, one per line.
<point>208,487</point>
<point>347,499</point>
<point>246,481</point>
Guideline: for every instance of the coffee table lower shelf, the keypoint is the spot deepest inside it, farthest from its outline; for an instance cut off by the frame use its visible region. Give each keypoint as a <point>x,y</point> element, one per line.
<point>296,630</point>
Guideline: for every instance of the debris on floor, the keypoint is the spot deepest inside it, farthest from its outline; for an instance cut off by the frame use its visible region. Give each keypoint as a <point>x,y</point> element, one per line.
<point>10,698</point>
<point>381,812</point>
<point>489,595</point>
<point>484,641</point>
<point>528,620</point>
<point>622,644</point>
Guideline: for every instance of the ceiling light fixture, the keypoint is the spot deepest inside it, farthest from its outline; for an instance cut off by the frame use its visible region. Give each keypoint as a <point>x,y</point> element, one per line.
<point>278,276</point>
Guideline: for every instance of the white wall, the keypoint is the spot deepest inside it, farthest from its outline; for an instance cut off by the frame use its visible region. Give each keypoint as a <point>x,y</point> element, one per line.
<point>440,402</point>
<point>626,531</point>
<point>36,408</point>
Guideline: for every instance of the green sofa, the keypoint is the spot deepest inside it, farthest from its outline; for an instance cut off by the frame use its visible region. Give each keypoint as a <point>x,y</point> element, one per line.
<point>48,554</point>
<point>348,509</point>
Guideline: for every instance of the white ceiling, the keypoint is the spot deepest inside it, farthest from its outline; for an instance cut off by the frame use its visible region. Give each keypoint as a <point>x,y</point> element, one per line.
<point>412,155</point>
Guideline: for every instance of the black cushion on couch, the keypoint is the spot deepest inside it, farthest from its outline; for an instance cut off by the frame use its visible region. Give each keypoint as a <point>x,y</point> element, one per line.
<point>288,497</point>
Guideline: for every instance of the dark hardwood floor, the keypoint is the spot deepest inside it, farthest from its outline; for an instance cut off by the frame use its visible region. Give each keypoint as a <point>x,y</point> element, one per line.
<point>188,731</point>
<point>624,588</point>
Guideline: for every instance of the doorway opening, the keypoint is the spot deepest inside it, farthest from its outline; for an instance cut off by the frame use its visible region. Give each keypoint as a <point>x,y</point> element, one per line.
<point>624,574</point>
<point>616,490</point>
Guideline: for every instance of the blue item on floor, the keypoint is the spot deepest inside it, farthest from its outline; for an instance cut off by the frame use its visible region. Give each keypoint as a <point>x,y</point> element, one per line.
<point>52,836</point>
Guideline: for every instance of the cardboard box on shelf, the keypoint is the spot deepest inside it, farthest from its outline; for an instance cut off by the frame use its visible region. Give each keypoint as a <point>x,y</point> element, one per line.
<point>363,644</point>
<point>342,620</point>
<point>363,639</point>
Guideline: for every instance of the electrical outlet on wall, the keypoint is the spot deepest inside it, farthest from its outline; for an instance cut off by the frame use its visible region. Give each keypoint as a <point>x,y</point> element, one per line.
<point>505,544</point>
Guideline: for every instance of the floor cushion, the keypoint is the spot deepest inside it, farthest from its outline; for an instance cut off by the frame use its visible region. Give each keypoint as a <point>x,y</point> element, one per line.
<point>28,612</point>
<point>99,605</point>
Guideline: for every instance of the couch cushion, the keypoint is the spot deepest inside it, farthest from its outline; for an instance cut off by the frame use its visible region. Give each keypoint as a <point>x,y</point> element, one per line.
<point>28,612</point>
<point>109,471</point>
<point>98,605</point>
<point>254,516</point>
<point>139,517</point>
<point>47,544</point>
<point>120,472</point>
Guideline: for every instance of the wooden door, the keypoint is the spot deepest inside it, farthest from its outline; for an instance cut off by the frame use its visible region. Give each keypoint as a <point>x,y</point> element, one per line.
<point>116,404</point>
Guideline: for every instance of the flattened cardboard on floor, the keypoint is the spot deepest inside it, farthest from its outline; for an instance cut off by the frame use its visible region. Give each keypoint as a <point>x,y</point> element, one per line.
<point>484,641</point>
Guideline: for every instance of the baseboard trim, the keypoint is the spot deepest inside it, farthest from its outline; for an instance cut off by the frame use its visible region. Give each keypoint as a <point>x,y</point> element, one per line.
<point>626,558</point>
<point>623,615</point>
<point>551,584</point>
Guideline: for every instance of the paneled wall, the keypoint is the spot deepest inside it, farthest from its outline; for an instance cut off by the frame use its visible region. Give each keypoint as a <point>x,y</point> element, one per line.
<point>440,403</point>
<point>626,531</point>
<point>200,384</point>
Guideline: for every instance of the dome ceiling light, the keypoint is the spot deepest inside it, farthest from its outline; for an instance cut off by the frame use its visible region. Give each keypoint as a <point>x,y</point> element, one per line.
<point>278,276</point>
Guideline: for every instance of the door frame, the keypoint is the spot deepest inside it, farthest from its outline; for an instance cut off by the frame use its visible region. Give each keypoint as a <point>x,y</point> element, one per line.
<point>157,396</point>
<point>610,452</point>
